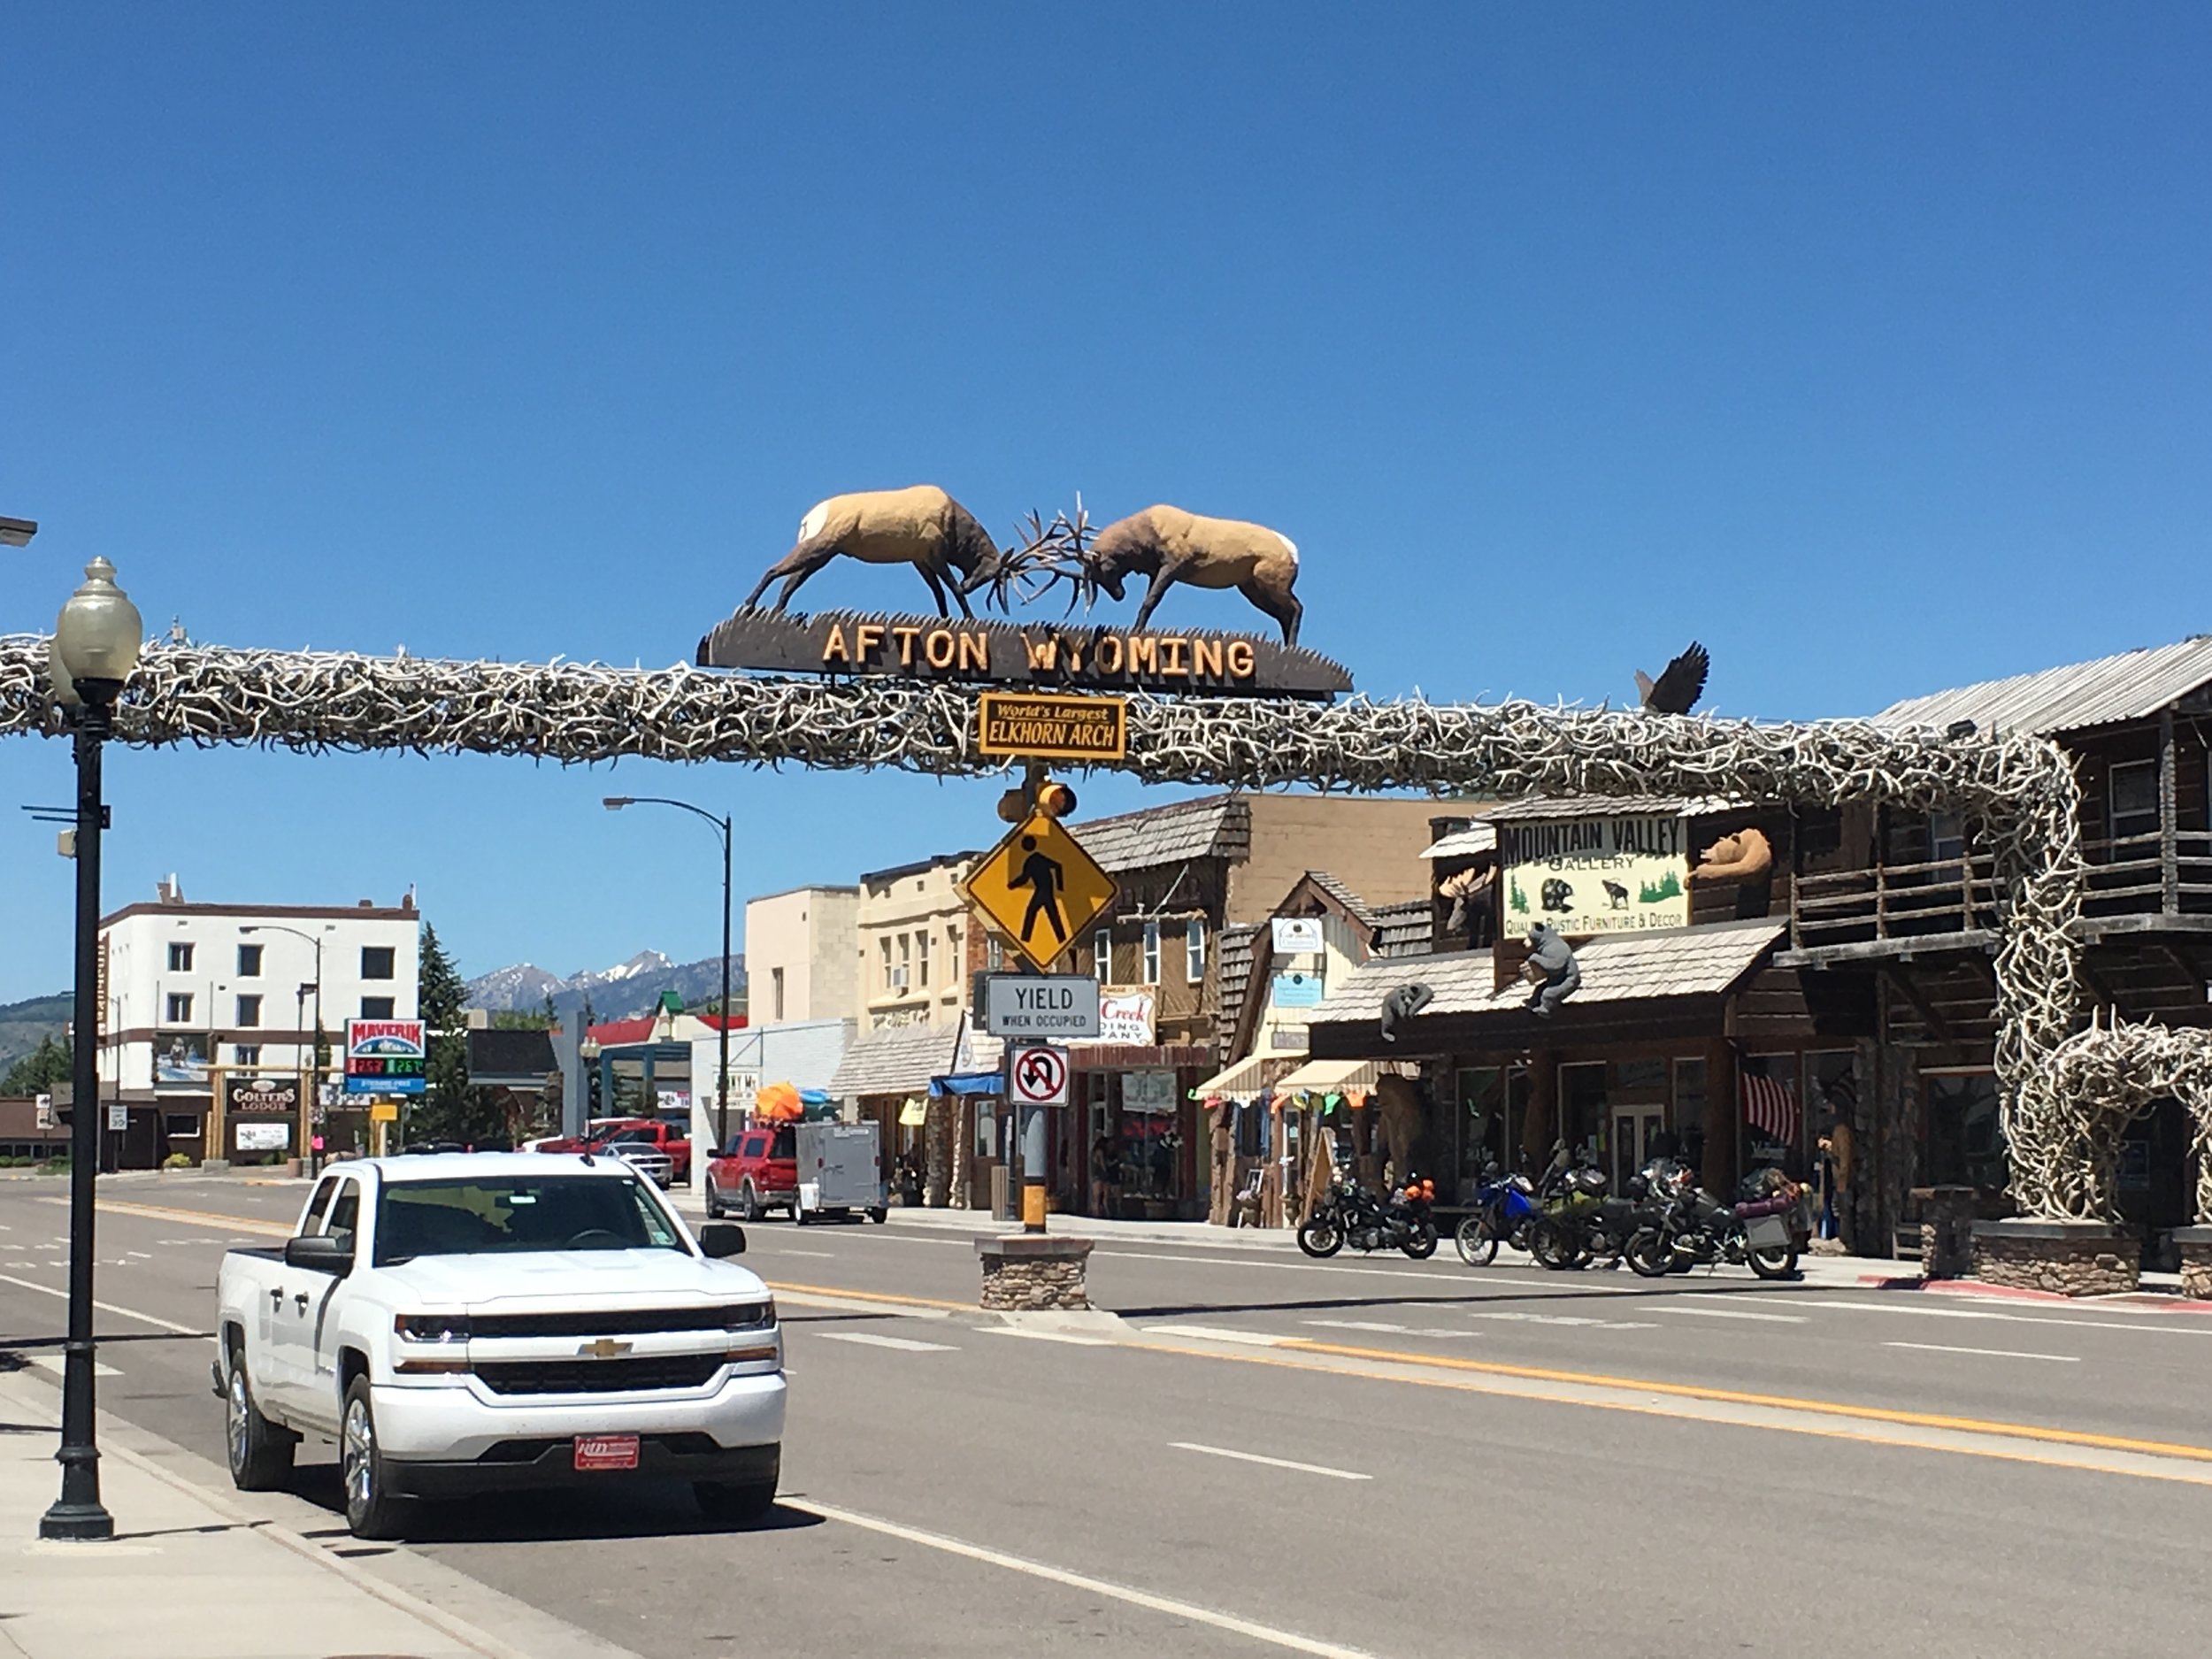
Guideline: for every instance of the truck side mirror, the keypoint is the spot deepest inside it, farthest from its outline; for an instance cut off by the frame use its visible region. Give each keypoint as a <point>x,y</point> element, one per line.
<point>720,1238</point>
<point>319,1252</point>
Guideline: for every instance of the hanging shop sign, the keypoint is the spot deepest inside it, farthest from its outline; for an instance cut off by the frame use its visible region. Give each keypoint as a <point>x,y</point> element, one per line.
<point>261,1096</point>
<point>1596,875</point>
<point>1297,935</point>
<point>1041,725</point>
<point>1057,1005</point>
<point>1152,1093</point>
<point>1295,990</point>
<point>386,1056</point>
<point>1041,888</point>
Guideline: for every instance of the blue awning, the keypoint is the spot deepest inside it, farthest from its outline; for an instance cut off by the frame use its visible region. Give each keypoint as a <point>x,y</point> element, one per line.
<point>969,1083</point>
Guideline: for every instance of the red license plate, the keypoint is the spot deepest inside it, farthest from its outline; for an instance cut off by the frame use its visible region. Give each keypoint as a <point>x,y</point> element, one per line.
<point>606,1451</point>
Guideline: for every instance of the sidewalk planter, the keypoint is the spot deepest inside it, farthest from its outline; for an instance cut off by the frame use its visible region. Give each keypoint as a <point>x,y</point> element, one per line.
<point>1027,1272</point>
<point>1947,1216</point>
<point>2195,1245</point>
<point>2074,1258</point>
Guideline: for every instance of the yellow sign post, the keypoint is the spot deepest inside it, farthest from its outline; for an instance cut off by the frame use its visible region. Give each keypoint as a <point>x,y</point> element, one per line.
<point>1041,888</point>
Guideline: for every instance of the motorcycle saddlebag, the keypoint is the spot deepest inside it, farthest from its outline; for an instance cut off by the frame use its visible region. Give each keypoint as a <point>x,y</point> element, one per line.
<point>1767,1233</point>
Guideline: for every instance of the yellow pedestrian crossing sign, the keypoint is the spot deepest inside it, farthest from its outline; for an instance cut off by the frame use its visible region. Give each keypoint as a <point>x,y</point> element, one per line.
<point>1041,888</point>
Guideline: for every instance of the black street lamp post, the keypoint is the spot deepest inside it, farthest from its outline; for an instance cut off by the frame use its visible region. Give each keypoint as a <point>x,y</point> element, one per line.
<point>96,646</point>
<point>615,803</point>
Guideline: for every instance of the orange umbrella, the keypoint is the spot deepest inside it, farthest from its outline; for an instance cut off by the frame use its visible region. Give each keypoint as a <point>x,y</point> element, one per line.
<point>778,1103</point>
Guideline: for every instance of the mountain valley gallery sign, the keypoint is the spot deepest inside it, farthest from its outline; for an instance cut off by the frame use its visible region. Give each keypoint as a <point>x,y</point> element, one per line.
<point>1617,874</point>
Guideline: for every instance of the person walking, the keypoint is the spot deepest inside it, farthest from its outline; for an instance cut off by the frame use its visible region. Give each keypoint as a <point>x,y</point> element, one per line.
<point>1104,1192</point>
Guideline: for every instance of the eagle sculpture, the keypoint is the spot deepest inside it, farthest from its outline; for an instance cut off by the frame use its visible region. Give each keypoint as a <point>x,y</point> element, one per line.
<point>1680,684</point>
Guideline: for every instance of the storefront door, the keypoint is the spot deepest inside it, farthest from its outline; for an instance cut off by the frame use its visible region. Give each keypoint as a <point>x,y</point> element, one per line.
<point>1634,1129</point>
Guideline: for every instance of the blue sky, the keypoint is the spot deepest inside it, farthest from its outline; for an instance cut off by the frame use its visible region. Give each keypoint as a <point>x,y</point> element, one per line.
<point>1868,344</point>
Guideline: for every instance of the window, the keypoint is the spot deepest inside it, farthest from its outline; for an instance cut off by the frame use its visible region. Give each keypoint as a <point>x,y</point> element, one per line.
<point>180,1005</point>
<point>180,1125</point>
<point>993,953</point>
<point>1963,1144</point>
<point>482,1214</point>
<point>376,1008</point>
<point>323,1195</point>
<point>921,957</point>
<point>180,957</point>
<point>2134,799</point>
<point>775,993</point>
<point>884,946</point>
<point>1946,838</point>
<point>247,1053</point>
<point>1151,953</point>
<point>376,961</point>
<point>1195,950</point>
<point>250,962</point>
<point>249,1010</point>
<point>1103,953</point>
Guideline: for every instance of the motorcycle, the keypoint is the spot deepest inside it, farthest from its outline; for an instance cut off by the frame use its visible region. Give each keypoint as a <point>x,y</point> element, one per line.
<point>1352,1215</point>
<point>1581,1221</point>
<point>1692,1229</point>
<point>1505,1211</point>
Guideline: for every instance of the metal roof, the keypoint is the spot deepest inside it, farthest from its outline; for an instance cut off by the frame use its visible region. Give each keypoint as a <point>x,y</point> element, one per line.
<point>1544,807</point>
<point>1211,826</point>
<point>2133,686</point>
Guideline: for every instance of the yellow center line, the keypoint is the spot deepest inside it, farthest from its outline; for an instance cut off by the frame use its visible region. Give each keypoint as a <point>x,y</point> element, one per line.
<point>871,1295</point>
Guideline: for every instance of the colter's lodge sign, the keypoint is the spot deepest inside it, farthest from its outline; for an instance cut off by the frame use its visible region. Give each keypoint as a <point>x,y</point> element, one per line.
<point>923,527</point>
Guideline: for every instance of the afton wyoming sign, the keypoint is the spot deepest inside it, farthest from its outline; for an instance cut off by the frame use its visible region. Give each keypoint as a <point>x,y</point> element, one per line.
<point>1596,875</point>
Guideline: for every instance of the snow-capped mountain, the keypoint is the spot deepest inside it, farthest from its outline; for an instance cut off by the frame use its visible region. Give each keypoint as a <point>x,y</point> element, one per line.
<point>627,989</point>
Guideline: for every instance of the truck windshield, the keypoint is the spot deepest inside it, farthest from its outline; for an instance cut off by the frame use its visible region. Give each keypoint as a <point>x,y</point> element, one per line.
<point>479,1216</point>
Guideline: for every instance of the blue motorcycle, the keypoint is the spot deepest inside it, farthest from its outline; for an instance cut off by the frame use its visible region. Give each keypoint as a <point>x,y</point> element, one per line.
<point>1505,1209</point>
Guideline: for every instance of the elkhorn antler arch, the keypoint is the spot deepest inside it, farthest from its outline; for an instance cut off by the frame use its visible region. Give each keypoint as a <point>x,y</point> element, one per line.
<point>2062,1089</point>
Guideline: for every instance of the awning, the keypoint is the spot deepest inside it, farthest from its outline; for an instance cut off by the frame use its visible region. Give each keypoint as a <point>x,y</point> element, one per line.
<point>1340,1077</point>
<point>969,1083</point>
<point>1466,843</point>
<point>1246,1080</point>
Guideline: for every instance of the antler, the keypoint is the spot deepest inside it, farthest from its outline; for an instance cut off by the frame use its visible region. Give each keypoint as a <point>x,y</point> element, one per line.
<point>1050,554</point>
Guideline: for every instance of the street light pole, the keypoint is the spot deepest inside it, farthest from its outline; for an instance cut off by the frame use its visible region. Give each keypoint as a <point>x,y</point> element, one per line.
<point>96,646</point>
<point>315,1053</point>
<point>615,803</point>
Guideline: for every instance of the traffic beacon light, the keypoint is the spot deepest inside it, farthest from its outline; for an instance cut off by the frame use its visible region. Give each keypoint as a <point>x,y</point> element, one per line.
<point>1056,800</point>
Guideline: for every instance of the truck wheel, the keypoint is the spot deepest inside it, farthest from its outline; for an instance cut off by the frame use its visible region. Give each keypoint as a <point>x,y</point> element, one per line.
<point>372,1511</point>
<point>748,1203</point>
<point>735,1504</point>
<point>878,1215</point>
<point>260,1452</point>
<point>714,1201</point>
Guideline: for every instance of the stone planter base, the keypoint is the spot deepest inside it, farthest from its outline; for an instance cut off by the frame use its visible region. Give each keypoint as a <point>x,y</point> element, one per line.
<point>1026,1272</point>
<point>215,1166</point>
<point>2074,1258</point>
<point>2195,1244</point>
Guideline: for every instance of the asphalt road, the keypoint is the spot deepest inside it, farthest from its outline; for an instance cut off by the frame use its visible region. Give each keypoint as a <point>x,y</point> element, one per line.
<point>1269,1454</point>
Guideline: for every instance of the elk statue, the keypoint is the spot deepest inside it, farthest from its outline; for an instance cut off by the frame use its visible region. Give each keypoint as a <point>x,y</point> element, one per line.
<point>1171,545</point>
<point>920,525</point>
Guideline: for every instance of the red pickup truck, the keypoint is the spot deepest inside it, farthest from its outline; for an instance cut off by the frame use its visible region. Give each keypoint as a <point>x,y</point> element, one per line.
<point>757,1170</point>
<point>606,1134</point>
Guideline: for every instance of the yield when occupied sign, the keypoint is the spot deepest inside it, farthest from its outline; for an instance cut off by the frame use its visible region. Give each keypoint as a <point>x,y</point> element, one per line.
<point>1037,1077</point>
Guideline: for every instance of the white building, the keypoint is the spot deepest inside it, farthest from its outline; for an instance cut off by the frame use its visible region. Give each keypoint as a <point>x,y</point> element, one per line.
<point>800,955</point>
<point>193,995</point>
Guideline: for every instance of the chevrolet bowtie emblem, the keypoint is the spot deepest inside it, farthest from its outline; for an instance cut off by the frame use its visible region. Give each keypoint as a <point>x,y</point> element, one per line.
<point>605,1347</point>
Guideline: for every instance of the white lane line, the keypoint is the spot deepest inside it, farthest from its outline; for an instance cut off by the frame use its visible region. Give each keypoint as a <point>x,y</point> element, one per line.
<point>1731,1313</point>
<point>1069,1337</point>
<point>2169,1324</point>
<point>1218,1334</point>
<point>58,1362</point>
<point>1516,1318</point>
<point>109,1307</point>
<point>1289,1642</point>
<point>1361,1324</point>
<point>1992,1352</point>
<point>904,1344</point>
<point>828,1255</point>
<point>1272,1463</point>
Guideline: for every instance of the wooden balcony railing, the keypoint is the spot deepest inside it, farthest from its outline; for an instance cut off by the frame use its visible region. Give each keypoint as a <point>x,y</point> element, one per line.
<point>2163,874</point>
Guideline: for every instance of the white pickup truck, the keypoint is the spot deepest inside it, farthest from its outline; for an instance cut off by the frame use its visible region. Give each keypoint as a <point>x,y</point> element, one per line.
<point>488,1321</point>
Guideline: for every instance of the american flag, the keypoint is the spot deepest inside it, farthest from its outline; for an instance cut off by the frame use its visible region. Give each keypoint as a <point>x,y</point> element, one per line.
<point>1770,1106</point>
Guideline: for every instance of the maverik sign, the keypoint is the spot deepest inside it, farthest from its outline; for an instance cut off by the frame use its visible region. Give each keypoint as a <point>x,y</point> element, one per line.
<point>385,1056</point>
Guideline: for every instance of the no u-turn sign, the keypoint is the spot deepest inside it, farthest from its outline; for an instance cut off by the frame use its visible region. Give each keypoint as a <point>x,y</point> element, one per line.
<point>1037,1076</point>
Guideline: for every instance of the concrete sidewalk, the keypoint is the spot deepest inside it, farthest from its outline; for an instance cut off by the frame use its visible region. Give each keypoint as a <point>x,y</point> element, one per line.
<point>191,1574</point>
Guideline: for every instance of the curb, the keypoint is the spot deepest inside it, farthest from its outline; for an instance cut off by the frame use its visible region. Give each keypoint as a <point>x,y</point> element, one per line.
<point>2133,1299</point>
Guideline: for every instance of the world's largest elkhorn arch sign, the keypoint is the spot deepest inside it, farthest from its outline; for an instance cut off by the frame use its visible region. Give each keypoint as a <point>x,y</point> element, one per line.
<point>2066,1088</point>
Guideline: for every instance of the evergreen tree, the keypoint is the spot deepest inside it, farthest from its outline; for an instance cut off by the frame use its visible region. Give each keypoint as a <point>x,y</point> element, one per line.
<point>450,1108</point>
<point>37,1072</point>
